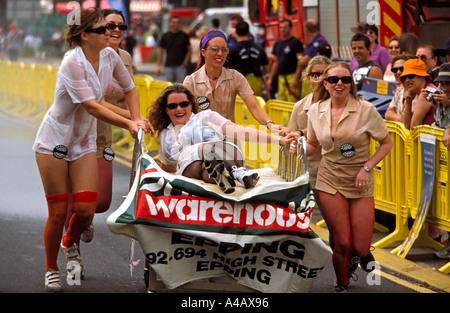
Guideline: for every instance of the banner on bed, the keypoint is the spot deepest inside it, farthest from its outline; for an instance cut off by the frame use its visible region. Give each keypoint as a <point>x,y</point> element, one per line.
<point>261,239</point>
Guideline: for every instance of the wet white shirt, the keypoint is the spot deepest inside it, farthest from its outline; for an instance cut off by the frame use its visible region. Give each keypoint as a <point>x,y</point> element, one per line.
<point>67,124</point>
<point>179,144</point>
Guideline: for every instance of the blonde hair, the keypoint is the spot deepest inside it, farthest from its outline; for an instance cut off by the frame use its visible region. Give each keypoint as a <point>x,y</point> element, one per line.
<point>317,60</point>
<point>321,94</point>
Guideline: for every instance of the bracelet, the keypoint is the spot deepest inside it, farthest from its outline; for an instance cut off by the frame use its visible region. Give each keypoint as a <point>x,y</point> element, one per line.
<point>279,138</point>
<point>302,134</point>
<point>269,121</point>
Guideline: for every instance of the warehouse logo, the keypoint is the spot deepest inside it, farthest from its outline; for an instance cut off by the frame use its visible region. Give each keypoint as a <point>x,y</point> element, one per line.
<point>195,210</point>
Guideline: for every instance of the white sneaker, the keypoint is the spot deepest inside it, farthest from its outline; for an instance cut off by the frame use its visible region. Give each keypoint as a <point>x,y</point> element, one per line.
<point>52,281</point>
<point>444,253</point>
<point>246,177</point>
<point>74,262</point>
<point>88,234</point>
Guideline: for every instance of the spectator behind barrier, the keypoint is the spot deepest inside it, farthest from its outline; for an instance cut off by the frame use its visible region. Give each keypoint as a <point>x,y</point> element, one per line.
<point>417,110</point>
<point>395,109</point>
<point>394,50</point>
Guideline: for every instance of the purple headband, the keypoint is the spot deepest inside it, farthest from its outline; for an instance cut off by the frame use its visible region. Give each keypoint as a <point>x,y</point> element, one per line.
<point>210,35</point>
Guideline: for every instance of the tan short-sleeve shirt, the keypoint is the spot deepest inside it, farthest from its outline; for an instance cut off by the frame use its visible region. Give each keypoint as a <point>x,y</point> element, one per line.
<point>116,97</point>
<point>222,99</point>
<point>345,154</point>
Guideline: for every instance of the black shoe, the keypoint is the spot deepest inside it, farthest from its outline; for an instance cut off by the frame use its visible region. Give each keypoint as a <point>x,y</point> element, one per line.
<point>366,262</point>
<point>341,289</point>
<point>217,171</point>
<point>352,266</point>
<point>353,263</point>
<point>251,180</point>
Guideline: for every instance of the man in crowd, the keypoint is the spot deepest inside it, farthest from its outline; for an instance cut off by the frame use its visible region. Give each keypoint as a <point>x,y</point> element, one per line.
<point>315,44</point>
<point>286,52</point>
<point>177,49</point>
<point>366,66</point>
<point>249,58</point>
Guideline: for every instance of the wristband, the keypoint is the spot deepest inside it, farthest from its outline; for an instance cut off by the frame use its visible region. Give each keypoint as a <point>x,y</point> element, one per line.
<point>302,134</point>
<point>279,138</point>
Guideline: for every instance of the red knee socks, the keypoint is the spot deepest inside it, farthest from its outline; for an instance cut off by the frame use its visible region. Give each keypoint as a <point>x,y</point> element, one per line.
<point>56,203</point>
<point>76,227</point>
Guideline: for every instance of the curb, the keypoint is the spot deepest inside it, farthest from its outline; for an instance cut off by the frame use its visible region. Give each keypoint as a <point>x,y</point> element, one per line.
<point>432,278</point>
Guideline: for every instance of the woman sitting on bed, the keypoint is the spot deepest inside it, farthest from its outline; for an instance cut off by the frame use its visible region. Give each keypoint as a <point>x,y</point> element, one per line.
<point>192,142</point>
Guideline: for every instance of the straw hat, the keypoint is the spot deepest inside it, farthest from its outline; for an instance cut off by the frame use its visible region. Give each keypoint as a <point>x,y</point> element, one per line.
<point>416,67</point>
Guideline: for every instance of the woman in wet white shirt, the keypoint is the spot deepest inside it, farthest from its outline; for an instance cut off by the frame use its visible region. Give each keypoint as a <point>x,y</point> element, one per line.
<point>342,124</point>
<point>65,143</point>
<point>192,142</point>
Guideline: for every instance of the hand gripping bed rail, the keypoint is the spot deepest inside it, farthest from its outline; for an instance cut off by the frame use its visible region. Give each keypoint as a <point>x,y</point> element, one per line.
<point>139,149</point>
<point>292,165</point>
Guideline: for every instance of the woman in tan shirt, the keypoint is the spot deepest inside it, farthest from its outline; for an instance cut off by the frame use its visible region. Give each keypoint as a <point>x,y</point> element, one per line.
<point>342,124</point>
<point>299,118</point>
<point>215,87</point>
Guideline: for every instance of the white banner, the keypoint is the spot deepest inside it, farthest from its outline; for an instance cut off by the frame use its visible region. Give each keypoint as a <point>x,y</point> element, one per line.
<point>187,232</point>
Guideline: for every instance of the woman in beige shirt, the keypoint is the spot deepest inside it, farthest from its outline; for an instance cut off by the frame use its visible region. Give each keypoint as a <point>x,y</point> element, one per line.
<point>342,124</point>
<point>215,87</point>
<point>299,118</point>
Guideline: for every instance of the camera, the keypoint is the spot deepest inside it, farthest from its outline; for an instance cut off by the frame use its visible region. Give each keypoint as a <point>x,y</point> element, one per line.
<point>431,91</point>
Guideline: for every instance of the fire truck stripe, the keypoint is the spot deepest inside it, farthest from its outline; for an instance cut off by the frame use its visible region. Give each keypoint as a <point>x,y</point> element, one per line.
<point>392,25</point>
<point>395,5</point>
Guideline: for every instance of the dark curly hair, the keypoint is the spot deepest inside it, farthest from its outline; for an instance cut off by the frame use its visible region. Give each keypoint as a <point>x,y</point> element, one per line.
<point>157,111</point>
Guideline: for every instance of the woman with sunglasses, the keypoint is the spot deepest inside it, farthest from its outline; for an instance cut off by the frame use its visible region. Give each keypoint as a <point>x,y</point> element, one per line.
<point>417,110</point>
<point>299,118</point>
<point>395,109</point>
<point>192,141</point>
<point>394,50</point>
<point>105,155</point>
<point>342,124</point>
<point>216,87</point>
<point>65,143</point>
<point>116,26</point>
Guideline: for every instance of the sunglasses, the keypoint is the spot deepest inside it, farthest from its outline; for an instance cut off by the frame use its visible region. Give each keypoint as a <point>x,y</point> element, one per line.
<point>335,79</point>
<point>112,26</point>
<point>396,69</point>
<point>410,76</point>
<point>174,105</point>
<point>102,29</point>
<point>99,30</point>
<point>423,57</point>
<point>217,49</point>
<point>315,74</point>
